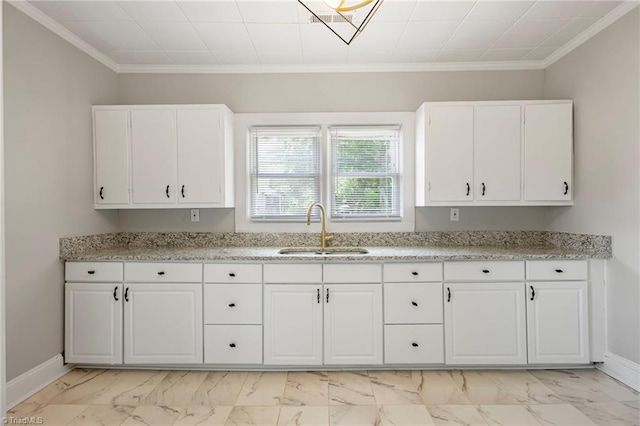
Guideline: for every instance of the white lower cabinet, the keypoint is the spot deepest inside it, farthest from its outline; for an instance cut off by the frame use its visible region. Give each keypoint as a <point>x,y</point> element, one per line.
<point>233,344</point>
<point>353,324</point>
<point>557,322</point>
<point>93,323</point>
<point>293,324</point>
<point>413,344</point>
<point>163,323</point>
<point>485,323</point>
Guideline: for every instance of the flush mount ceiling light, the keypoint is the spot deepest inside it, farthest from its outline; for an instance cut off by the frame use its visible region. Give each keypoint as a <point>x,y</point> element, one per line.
<point>344,18</point>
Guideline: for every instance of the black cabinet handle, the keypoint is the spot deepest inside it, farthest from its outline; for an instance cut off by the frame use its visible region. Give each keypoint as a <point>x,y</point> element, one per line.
<point>182,191</point>
<point>415,345</point>
<point>232,305</point>
<point>327,295</point>
<point>468,189</point>
<point>91,272</point>
<point>483,189</point>
<point>566,188</point>
<point>318,295</point>
<point>115,294</point>
<point>533,292</point>
<point>232,345</point>
<point>448,294</point>
<point>167,191</point>
<point>485,271</point>
<point>101,189</point>
<point>161,273</point>
<point>232,274</point>
<point>414,273</point>
<point>414,303</point>
<point>559,271</point>
<point>126,294</point>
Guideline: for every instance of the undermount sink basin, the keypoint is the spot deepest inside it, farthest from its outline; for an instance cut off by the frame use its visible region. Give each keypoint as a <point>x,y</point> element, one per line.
<point>330,250</point>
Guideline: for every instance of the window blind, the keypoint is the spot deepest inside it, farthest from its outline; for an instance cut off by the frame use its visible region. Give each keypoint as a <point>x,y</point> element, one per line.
<point>365,172</point>
<point>285,171</point>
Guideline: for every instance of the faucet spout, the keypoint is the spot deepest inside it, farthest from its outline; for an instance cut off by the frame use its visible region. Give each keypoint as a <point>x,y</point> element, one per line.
<point>324,237</point>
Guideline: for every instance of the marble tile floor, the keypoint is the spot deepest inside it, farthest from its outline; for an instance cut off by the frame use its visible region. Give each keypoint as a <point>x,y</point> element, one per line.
<point>454,397</point>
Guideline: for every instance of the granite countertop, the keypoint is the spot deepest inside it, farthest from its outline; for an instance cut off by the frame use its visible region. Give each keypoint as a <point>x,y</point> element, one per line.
<point>195,254</point>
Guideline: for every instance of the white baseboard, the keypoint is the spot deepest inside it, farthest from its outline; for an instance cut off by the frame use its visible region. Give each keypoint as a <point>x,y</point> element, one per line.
<point>26,384</point>
<point>622,369</point>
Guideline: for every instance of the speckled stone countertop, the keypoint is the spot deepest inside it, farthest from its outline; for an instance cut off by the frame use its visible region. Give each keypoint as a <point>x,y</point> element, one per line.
<point>382,247</point>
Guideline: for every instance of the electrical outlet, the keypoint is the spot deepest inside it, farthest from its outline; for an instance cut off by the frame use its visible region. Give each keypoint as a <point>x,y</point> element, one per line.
<point>195,215</point>
<point>454,216</point>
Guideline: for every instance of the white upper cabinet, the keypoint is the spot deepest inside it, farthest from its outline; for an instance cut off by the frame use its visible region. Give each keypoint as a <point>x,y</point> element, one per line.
<point>485,147</point>
<point>497,153</point>
<point>450,153</point>
<point>111,150</point>
<point>548,152</point>
<point>165,156</point>
<point>153,147</point>
<point>200,164</point>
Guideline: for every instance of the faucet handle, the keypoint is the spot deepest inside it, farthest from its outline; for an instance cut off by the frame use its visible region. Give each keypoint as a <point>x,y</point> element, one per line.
<point>328,237</point>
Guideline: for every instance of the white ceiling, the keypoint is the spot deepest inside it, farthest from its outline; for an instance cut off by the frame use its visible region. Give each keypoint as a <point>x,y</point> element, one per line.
<point>262,33</point>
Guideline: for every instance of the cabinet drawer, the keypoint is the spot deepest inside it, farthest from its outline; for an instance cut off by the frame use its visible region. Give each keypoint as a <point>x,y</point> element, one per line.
<point>233,344</point>
<point>293,273</point>
<point>232,273</point>
<point>408,272</point>
<point>413,344</point>
<point>484,271</point>
<point>93,271</point>
<point>352,273</point>
<point>413,303</point>
<point>163,272</point>
<point>233,304</point>
<point>557,270</point>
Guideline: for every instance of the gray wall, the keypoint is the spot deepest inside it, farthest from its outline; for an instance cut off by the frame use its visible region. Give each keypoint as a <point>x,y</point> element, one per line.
<point>49,89</point>
<point>345,92</point>
<point>601,76</point>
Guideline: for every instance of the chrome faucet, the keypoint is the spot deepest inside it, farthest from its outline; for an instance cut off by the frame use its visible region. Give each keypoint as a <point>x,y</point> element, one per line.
<point>323,216</point>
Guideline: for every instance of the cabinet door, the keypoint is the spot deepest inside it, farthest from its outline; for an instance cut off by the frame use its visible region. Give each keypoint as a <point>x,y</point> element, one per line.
<point>450,153</point>
<point>548,152</point>
<point>497,153</point>
<point>111,150</point>
<point>153,150</point>
<point>353,324</point>
<point>557,323</point>
<point>292,325</point>
<point>200,151</point>
<point>163,324</point>
<point>485,323</point>
<point>93,323</point>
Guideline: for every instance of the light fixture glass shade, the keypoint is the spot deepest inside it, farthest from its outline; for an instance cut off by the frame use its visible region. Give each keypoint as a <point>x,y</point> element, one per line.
<point>345,18</point>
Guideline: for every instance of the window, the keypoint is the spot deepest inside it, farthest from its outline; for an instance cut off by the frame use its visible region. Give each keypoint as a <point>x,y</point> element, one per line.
<point>365,172</point>
<point>285,171</point>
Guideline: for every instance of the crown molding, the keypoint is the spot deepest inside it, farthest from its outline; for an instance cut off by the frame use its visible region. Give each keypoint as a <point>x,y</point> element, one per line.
<point>341,68</point>
<point>600,25</point>
<point>61,31</point>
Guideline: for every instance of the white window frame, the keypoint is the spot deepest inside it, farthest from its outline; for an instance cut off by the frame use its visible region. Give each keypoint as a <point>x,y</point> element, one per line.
<point>242,125</point>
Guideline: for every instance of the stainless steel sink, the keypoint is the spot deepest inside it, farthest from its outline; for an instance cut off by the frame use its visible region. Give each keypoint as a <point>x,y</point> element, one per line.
<point>327,251</point>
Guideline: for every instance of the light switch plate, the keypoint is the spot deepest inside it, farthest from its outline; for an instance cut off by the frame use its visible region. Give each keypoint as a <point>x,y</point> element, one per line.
<point>195,215</point>
<point>454,216</point>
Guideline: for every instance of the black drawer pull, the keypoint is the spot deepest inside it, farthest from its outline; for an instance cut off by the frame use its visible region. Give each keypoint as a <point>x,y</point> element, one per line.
<point>126,294</point>
<point>414,303</point>
<point>115,294</point>
<point>533,292</point>
<point>182,191</point>
<point>318,295</point>
<point>566,188</point>
<point>415,345</point>
<point>91,272</point>
<point>559,271</point>
<point>161,273</point>
<point>448,294</point>
<point>167,191</point>
<point>101,191</point>
<point>232,274</point>
<point>483,189</point>
<point>414,273</point>
<point>468,189</point>
<point>232,345</point>
<point>232,305</point>
<point>485,271</point>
